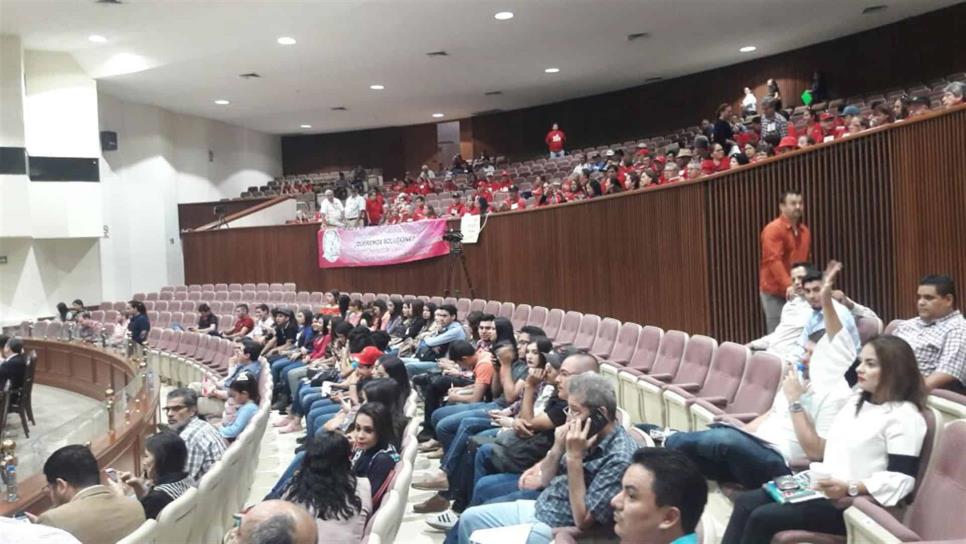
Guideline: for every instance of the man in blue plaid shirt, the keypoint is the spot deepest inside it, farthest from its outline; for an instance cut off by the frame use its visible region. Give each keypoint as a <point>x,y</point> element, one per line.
<point>579,476</point>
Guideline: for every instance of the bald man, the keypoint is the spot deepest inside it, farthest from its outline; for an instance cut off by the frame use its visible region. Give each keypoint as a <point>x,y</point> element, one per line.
<point>277,522</point>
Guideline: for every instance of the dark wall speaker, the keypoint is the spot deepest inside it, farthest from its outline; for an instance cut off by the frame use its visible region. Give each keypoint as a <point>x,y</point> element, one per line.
<point>108,140</point>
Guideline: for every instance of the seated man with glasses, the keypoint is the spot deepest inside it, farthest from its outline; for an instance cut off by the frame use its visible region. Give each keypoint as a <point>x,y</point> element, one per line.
<point>204,442</point>
<point>579,476</point>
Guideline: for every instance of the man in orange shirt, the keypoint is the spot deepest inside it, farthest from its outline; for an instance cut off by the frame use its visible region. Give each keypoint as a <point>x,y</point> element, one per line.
<point>783,241</point>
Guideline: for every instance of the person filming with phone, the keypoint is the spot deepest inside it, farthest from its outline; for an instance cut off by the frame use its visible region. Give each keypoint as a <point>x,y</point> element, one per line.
<point>579,475</point>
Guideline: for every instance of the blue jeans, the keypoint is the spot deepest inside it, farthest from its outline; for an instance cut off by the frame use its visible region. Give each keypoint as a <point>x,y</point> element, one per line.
<point>302,402</point>
<point>446,419</point>
<point>283,375</point>
<point>500,515</point>
<point>276,492</point>
<point>277,366</point>
<point>729,455</point>
<point>415,367</point>
<point>320,412</point>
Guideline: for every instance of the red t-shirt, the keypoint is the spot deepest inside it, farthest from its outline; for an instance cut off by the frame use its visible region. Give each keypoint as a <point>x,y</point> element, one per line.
<point>555,140</point>
<point>244,323</point>
<point>455,210</point>
<point>485,194</point>
<point>419,214</point>
<point>511,205</point>
<point>723,164</point>
<point>745,138</point>
<point>483,372</point>
<point>374,210</point>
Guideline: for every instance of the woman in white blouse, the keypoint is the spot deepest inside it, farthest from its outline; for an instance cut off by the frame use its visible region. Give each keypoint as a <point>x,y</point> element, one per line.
<point>871,449</point>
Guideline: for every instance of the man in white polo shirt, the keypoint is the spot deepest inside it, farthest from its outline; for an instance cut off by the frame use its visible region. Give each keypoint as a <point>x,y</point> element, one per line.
<point>355,207</point>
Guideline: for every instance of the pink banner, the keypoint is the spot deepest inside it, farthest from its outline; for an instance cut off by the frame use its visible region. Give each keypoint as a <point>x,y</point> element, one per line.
<point>378,246</point>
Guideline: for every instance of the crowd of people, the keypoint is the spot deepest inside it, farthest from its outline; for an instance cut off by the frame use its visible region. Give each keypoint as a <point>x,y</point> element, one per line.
<point>761,130</point>
<point>526,433</point>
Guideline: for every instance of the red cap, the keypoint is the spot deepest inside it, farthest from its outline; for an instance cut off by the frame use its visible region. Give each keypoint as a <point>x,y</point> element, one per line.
<point>660,159</point>
<point>368,356</point>
<point>826,116</point>
<point>788,141</point>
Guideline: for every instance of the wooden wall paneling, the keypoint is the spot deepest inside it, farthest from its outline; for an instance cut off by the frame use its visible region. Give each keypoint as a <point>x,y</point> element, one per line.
<point>930,226</point>
<point>888,203</point>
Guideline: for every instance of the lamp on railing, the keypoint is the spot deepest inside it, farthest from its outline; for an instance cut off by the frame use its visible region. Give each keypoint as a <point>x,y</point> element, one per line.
<point>109,406</point>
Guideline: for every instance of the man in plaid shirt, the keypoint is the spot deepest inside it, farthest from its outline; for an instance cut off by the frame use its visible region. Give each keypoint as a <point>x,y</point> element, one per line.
<point>938,335</point>
<point>579,476</point>
<point>205,444</point>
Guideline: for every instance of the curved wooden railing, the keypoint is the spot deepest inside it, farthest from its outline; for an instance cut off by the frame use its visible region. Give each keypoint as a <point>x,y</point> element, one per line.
<point>90,371</point>
<point>887,202</point>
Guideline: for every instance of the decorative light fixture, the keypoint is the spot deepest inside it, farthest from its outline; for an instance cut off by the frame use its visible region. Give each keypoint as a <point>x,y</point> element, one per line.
<point>376,87</point>
<point>503,15</point>
<point>748,49</point>
<point>97,38</point>
<point>438,115</point>
<point>286,40</point>
<point>305,126</point>
<point>552,70</point>
<point>222,102</point>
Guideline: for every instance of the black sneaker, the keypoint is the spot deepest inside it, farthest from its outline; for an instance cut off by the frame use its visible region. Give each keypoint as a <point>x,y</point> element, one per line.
<point>424,436</point>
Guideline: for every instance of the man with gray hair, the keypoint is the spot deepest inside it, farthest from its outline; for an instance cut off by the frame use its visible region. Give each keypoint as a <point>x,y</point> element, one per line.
<point>953,94</point>
<point>331,210</point>
<point>275,522</point>
<point>579,476</point>
<point>204,442</point>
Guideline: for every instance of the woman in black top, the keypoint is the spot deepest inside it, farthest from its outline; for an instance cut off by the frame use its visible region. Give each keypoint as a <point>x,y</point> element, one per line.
<point>375,443</point>
<point>164,477</point>
<point>723,132</point>
<point>138,326</point>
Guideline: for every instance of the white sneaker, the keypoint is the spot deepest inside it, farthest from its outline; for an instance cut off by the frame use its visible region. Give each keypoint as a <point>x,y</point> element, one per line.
<point>444,521</point>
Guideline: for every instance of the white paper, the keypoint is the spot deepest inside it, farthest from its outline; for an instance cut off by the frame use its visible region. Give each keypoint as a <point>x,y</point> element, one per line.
<point>470,227</point>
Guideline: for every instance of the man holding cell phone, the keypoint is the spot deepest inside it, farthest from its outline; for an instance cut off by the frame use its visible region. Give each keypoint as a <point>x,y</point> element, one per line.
<point>579,476</point>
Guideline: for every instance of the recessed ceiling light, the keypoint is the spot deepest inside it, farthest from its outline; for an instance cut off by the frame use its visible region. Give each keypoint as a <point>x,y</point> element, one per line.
<point>222,102</point>
<point>748,49</point>
<point>503,15</point>
<point>376,87</point>
<point>285,40</point>
<point>552,70</point>
<point>437,115</point>
<point>97,38</point>
<point>305,126</point>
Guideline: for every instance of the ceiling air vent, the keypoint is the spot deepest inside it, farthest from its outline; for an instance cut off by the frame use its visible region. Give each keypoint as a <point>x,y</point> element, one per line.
<point>492,93</point>
<point>637,36</point>
<point>250,75</point>
<point>339,108</point>
<point>437,54</point>
<point>873,9</point>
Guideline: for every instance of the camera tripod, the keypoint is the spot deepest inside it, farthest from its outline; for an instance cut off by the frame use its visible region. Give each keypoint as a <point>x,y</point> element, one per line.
<point>457,264</point>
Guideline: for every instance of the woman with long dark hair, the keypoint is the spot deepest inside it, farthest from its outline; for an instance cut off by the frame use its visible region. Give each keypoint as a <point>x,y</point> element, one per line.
<point>139,325</point>
<point>872,448</point>
<point>393,318</point>
<point>330,304</point>
<point>376,444</point>
<point>164,478</point>
<point>325,485</point>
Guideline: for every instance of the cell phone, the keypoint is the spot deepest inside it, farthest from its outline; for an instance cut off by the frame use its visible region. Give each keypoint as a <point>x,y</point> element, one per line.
<point>21,517</point>
<point>597,424</point>
<point>111,473</point>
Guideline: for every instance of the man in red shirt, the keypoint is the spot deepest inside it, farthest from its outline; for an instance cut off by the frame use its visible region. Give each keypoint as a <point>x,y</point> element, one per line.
<point>513,202</point>
<point>783,241</point>
<point>243,323</point>
<point>456,208</point>
<point>374,207</point>
<point>555,142</point>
